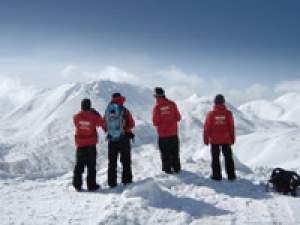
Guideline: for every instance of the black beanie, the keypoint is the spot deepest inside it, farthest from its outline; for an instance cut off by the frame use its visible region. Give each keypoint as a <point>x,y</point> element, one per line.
<point>159,92</point>
<point>116,95</point>
<point>219,99</point>
<point>86,104</point>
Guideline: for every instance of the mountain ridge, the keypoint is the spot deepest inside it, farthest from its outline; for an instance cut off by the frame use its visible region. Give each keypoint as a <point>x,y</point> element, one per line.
<point>37,137</point>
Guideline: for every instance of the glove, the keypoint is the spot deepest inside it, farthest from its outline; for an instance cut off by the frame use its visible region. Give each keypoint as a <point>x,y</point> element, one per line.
<point>131,136</point>
<point>107,137</point>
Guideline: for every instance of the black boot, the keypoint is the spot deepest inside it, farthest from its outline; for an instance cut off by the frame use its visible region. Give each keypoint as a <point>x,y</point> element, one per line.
<point>94,188</point>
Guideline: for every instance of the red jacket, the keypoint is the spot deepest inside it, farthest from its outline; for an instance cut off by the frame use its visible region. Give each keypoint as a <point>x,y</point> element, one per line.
<point>85,124</point>
<point>219,126</point>
<point>165,117</point>
<point>129,121</point>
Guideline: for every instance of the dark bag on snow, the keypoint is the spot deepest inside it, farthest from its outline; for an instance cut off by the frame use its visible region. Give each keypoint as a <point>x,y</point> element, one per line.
<point>284,181</point>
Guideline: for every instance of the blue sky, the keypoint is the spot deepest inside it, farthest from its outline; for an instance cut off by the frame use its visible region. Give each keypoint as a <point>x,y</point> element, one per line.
<point>237,42</point>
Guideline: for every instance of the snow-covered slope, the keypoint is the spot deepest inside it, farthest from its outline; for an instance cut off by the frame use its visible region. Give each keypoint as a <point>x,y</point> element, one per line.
<point>290,102</point>
<point>189,198</point>
<point>36,141</point>
<point>37,137</point>
<point>278,148</point>
<point>284,108</point>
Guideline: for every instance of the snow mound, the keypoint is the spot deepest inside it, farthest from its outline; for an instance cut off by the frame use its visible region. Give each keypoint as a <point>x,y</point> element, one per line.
<point>155,195</point>
<point>148,190</point>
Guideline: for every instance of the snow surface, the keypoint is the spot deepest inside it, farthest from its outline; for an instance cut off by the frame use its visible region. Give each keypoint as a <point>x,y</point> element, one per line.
<point>154,198</point>
<point>37,158</point>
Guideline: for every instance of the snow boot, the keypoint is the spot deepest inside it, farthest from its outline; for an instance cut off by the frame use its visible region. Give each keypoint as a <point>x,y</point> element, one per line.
<point>94,188</point>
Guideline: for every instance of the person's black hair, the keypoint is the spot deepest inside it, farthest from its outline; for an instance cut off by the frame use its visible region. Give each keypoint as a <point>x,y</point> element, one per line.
<point>116,95</point>
<point>86,104</point>
<point>159,92</point>
<point>219,99</point>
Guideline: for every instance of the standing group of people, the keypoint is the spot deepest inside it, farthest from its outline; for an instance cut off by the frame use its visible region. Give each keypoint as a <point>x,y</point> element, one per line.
<point>118,124</point>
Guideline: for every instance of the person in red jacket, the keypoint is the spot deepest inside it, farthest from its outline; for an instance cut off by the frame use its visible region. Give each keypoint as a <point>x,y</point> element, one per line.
<point>219,132</point>
<point>119,124</point>
<point>86,138</point>
<point>165,118</point>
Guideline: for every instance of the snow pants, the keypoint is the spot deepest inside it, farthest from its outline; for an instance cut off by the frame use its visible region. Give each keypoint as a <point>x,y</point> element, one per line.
<point>85,156</point>
<point>229,163</point>
<point>122,147</point>
<point>169,152</point>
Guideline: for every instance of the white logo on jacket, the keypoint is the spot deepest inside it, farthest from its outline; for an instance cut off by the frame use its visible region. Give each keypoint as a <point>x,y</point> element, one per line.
<point>164,110</point>
<point>220,120</point>
<point>84,125</point>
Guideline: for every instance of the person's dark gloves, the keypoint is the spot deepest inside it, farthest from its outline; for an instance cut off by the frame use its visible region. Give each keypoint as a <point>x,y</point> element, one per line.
<point>107,137</point>
<point>131,136</point>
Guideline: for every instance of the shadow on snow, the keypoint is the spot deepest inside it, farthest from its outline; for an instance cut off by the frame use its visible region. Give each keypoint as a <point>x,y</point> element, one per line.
<point>241,187</point>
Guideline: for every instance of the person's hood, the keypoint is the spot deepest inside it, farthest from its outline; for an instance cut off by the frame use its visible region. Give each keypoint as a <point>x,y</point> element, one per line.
<point>161,100</point>
<point>85,113</point>
<point>219,107</point>
<point>119,100</point>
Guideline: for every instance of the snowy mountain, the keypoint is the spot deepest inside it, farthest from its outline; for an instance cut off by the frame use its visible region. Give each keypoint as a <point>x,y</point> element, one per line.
<point>278,143</point>
<point>37,137</point>
<point>39,134</point>
<point>37,156</point>
<point>284,108</point>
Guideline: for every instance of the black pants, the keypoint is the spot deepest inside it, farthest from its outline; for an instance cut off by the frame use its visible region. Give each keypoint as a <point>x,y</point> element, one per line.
<point>169,152</point>
<point>85,156</point>
<point>123,148</point>
<point>229,163</point>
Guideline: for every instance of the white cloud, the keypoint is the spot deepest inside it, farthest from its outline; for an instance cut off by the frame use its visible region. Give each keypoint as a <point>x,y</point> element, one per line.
<point>177,83</point>
<point>180,84</point>
<point>254,92</point>
<point>288,86</point>
<point>68,71</point>
<point>174,75</point>
<point>13,92</point>
<point>113,74</point>
<point>75,73</point>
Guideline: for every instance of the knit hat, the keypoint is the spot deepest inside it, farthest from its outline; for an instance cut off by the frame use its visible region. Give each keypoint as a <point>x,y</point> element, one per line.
<point>116,95</point>
<point>86,104</point>
<point>159,92</point>
<point>219,99</point>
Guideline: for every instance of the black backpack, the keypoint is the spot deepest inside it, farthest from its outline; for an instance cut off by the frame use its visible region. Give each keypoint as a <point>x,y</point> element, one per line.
<point>284,181</point>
